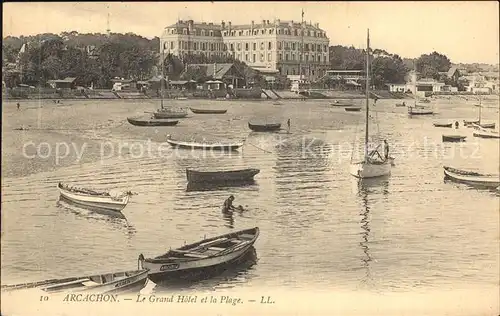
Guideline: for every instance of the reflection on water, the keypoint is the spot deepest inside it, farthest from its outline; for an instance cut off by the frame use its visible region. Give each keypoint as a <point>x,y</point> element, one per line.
<point>366,188</point>
<point>204,186</point>
<point>222,276</point>
<point>116,219</point>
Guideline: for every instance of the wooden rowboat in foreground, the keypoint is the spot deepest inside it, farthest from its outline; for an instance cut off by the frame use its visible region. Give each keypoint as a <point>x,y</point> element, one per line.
<point>114,201</point>
<point>145,121</point>
<point>218,176</point>
<point>472,177</point>
<point>205,254</point>
<point>109,283</point>
<point>264,127</point>
<point>454,138</point>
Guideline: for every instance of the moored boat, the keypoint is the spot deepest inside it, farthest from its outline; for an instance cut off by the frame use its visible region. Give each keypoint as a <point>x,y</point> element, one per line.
<point>114,201</point>
<point>483,125</point>
<point>454,138</point>
<point>448,125</point>
<point>208,111</point>
<point>401,104</point>
<point>486,134</point>
<point>264,127</point>
<point>169,114</point>
<point>148,121</point>
<point>472,177</point>
<point>353,109</point>
<point>203,146</point>
<point>419,111</point>
<point>342,104</point>
<point>241,175</point>
<point>196,257</point>
<point>108,283</point>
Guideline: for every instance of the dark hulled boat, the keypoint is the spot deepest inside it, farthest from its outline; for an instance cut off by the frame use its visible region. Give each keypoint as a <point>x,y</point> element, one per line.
<point>148,121</point>
<point>264,127</point>
<point>454,138</point>
<point>353,109</point>
<point>208,111</point>
<point>221,176</point>
<point>448,125</point>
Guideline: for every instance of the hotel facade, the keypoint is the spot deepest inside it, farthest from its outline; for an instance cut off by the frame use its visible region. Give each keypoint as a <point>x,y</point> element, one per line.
<point>269,47</point>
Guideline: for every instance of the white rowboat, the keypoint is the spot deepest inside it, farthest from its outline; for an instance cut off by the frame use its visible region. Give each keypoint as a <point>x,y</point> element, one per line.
<point>92,199</point>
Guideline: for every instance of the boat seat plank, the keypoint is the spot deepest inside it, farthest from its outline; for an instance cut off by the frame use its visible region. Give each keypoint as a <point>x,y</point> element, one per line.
<point>246,236</point>
<point>194,255</point>
<point>216,248</point>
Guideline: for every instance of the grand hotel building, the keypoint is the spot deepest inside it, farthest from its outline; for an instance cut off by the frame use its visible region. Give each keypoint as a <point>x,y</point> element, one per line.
<point>270,47</point>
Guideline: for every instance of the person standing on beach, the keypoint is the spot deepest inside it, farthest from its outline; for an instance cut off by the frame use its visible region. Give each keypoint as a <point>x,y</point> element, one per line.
<point>386,149</point>
<point>456,124</point>
<point>18,106</point>
<point>288,124</point>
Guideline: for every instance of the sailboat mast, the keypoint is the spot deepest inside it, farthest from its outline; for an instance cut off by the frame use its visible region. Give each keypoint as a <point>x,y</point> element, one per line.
<point>367,88</point>
<point>162,75</point>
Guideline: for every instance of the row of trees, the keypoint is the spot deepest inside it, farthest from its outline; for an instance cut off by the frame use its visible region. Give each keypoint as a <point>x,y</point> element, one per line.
<point>50,56</point>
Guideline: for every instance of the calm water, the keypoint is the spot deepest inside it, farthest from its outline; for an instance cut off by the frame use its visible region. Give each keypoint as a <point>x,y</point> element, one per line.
<point>319,227</point>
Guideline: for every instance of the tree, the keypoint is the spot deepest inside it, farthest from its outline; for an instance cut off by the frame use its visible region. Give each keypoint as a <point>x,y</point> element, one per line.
<point>388,70</point>
<point>429,65</point>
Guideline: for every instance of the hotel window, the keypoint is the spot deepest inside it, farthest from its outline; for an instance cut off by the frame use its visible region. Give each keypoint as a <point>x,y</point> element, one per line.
<point>239,46</point>
<point>271,31</point>
<point>293,46</point>
<point>172,45</point>
<point>268,56</point>
<point>324,58</point>
<point>279,45</point>
<point>246,46</point>
<point>319,59</point>
<point>239,56</point>
<point>253,60</point>
<point>195,46</point>
<point>279,31</point>
<point>254,46</point>
<point>261,57</point>
<point>241,33</point>
<point>293,56</point>
<point>231,46</point>
<point>202,32</point>
<point>255,32</point>
<point>270,46</point>
<point>280,57</point>
<point>261,45</point>
<point>184,31</point>
<point>263,32</point>
<point>286,57</point>
<point>246,57</point>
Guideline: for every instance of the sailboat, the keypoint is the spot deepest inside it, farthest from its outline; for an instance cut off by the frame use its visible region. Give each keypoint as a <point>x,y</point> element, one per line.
<point>477,124</point>
<point>167,112</point>
<point>373,165</point>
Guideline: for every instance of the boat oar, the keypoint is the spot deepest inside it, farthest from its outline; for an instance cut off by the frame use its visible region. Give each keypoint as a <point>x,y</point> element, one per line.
<point>269,152</point>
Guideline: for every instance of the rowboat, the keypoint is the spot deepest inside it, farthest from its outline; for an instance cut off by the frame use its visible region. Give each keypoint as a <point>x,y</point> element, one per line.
<point>196,257</point>
<point>400,104</point>
<point>144,121</point>
<point>449,125</point>
<point>114,201</point>
<point>203,146</point>
<point>168,114</point>
<point>483,125</point>
<point>207,111</point>
<point>469,123</point>
<point>353,109</point>
<point>221,175</point>
<point>419,111</point>
<point>109,283</point>
<point>264,127</point>
<point>454,138</point>
<point>486,134</point>
<point>343,104</point>
<point>472,177</point>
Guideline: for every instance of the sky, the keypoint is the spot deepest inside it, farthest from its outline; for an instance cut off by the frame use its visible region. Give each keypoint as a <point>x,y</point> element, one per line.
<point>465,31</point>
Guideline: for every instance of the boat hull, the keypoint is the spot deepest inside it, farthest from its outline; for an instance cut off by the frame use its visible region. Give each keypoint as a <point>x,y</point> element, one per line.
<point>151,122</point>
<point>412,111</point>
<point>486,135</point>
<point>352,109</point>
<point>161,269</point>
<point>453,138</point>
<point>369,170</point>
<point>264,127</point>
<point>118,283</point>
<point>98,202</point>
<point>443,125</point>
<point>201,111</point>
<point>472,178</point>
<point>194,176</point>
<point>198,146</point>
<point>169,115</point>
